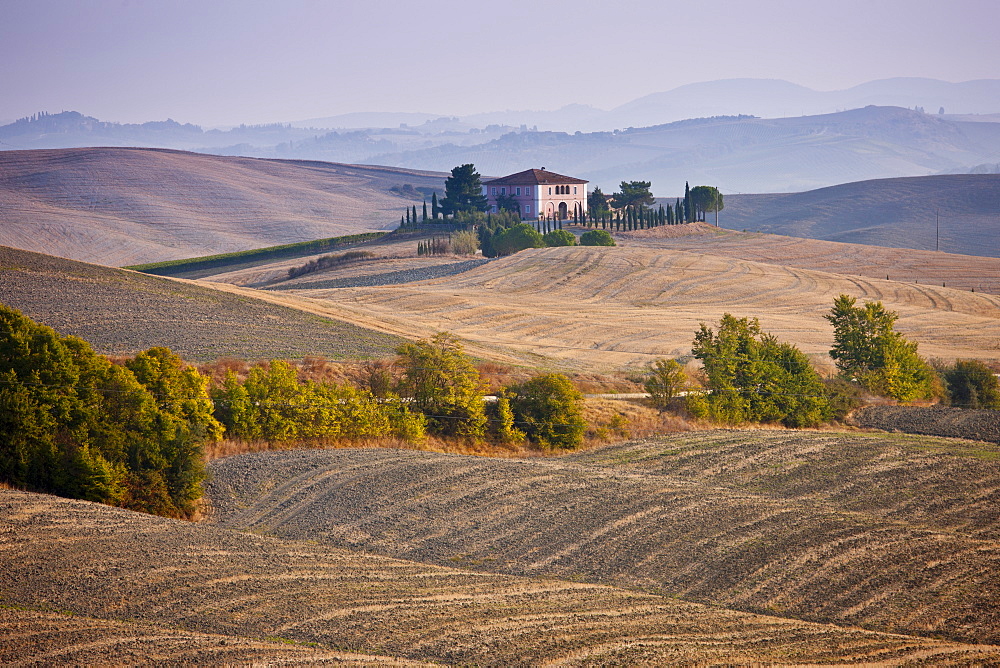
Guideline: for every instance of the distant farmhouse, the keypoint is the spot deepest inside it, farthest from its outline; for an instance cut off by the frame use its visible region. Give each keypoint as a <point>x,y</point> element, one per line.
<point>539,194</point>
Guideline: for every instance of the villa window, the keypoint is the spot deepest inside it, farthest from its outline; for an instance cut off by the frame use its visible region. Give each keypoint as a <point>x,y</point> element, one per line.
<point>503,191</point>
<point>527,208</point>
<point>574,190</point>
<point>494,191</point>
<point>518,191</point>
<point>550,190</point>
<point>527,191</point>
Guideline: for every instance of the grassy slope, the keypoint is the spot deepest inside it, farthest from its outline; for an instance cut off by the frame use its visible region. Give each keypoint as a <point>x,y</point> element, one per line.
<point>122,206</point>
<point>894,533</point>
<point>901,213</point>
<point>166,577</point>
<point>609,307</point>
<point>123,312</point>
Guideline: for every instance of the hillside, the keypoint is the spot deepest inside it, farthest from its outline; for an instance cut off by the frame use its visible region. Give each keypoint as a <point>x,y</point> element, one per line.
<point>122,206</point>
<point>965,272</point>
<point>123,312</point>
<point>889,532</point>
<point>605,308</point>
<point>144,589</point>
<point>900,213</point>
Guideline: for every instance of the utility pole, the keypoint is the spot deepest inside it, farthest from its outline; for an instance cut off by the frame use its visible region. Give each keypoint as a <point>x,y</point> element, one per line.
<point>937,229</point>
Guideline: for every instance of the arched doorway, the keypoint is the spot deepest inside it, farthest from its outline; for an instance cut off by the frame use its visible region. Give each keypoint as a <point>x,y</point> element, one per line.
<point>563,211</point>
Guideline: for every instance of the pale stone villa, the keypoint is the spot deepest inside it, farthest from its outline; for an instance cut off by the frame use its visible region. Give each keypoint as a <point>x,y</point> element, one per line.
<point>539,193</point>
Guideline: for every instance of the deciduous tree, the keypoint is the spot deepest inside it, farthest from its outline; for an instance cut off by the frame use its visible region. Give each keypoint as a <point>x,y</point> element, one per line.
<point>868,350</point>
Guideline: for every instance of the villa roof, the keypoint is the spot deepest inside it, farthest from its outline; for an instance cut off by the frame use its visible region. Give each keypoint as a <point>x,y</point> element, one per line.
<point>533,177</point>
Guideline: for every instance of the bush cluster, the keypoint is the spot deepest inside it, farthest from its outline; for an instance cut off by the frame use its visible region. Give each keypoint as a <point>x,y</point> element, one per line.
<point>273,405</point>
<point>75,425</point>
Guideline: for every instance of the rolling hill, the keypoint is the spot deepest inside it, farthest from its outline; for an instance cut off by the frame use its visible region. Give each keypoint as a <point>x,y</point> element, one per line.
<point>889,532</point>
<point>608,308</point>
<point>902,213</point>
<point>123,313</point>
<point>81,580</point>
<point>121,206</point>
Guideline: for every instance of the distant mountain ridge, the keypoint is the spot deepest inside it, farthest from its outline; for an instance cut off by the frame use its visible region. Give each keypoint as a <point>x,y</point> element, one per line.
<point>741,135</point>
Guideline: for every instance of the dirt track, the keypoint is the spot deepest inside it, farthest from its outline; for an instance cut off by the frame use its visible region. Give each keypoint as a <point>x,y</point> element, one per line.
<point>886,531</point>
<point>142,587</point>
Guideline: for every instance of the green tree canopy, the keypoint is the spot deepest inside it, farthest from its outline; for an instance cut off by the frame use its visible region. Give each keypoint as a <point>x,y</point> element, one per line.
<point>76,425</point>
<point>507,241</point>
<point>463,191</point>
<point>444,386</point>
<point>559,238</point>
<point>755,378</point>
<point>633,193</point>
<point>705,199</point>
<point>596,238</point>
<point>666,379</point>
<point>550,411</point>
<point>597,203</point>
<point>868,350</point>
<point>971,384</point>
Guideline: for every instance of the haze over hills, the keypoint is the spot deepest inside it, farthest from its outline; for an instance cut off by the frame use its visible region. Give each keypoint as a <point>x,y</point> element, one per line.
<point>804,139</point>
<point>120,206</point>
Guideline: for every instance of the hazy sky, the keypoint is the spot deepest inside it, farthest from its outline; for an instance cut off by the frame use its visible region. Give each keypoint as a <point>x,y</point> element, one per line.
<point>223,62</point>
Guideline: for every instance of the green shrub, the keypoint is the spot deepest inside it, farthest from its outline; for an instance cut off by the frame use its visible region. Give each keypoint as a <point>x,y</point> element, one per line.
<point>665,379</point>
<point>868,350</point>
<point>78,426</point>
<point>559,238</point>
<point>444,386</point>
<point>971,384</point>
<point>596,238</point>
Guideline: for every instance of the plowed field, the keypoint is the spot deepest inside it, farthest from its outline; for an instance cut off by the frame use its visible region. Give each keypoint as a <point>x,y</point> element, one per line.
<point>85,583</point>
<point>889,532</point>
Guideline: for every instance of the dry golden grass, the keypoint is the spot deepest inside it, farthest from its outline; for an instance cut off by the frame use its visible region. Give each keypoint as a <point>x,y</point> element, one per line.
<point>124,206</point>
<point>601,309</point>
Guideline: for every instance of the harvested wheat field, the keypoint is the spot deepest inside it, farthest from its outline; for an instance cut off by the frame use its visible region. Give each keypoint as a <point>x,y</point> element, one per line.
<point>605,308</point>
<point>965,272</point>
<point>891,532</point>
<point>80,578</point>
<point>125,206</point>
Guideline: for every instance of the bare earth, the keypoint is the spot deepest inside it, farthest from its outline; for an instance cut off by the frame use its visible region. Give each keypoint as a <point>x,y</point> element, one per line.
<point>889,532</point>
<point>80,579</point>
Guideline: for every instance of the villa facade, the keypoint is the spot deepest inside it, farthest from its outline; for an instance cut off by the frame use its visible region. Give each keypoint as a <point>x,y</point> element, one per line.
<point>539,193</point>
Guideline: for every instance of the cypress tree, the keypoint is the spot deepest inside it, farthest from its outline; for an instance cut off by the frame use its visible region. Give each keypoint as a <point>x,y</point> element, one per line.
<point>434,205</point>
<point>423,217</point>
<point>414,214</point>
<point>407,217</point>
<point>687,202</point>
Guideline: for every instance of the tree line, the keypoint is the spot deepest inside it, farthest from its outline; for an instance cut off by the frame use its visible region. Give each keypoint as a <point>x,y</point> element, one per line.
<point>133,434</point>
<point>752,377</point>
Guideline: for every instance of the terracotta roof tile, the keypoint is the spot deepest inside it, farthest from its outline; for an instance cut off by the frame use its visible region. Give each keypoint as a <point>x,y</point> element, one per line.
<point>533,177</point>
